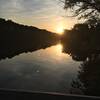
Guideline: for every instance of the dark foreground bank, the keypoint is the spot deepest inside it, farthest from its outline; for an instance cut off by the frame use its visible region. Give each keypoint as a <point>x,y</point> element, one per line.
<point>20,95</point>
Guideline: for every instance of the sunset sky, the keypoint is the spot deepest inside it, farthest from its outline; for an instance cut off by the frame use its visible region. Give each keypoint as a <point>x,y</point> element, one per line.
<point>45,14</point>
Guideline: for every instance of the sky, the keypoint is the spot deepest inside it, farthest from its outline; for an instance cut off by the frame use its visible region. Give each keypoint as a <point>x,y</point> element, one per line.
<point>44,14</point>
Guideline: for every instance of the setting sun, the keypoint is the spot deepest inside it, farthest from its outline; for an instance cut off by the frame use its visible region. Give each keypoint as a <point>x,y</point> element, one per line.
<point>60,30</point>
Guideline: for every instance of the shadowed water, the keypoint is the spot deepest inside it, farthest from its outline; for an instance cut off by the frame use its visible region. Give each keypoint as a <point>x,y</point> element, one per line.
<point>47,70</point>
<point>34,59</point>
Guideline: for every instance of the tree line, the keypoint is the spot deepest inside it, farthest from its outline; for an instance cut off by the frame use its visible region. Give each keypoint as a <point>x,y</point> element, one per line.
<point>17,38</point>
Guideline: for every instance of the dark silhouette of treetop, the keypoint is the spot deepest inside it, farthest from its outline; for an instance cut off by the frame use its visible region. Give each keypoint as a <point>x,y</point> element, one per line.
<point>87,9</point>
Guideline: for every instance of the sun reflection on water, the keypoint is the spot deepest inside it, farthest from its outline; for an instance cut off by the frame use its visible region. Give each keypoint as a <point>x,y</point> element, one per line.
<point>59,48</point>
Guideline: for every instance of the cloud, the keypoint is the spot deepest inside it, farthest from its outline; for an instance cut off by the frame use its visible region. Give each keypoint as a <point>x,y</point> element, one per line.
<point>26,7</point>
<point>39,13</point>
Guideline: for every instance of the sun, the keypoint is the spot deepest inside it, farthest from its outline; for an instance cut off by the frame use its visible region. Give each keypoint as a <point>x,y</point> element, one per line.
<point>60,30</point>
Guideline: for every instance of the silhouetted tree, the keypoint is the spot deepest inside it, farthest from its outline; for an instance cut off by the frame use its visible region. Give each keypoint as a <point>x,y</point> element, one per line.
<point>82,40</point>
<point>88,79</point>
<point>88,9</point>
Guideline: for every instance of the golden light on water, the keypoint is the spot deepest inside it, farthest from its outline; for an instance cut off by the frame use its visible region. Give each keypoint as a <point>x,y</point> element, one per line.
<point>58,49</point>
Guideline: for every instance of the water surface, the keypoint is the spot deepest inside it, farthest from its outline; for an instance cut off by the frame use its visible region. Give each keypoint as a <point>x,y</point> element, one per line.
<point>45,70</point>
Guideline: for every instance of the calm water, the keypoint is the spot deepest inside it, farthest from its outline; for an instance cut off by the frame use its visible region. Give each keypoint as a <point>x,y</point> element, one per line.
<point>47,70</point>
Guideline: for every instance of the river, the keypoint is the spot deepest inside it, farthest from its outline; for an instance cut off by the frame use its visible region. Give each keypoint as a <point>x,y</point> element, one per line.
<point>45,70</point>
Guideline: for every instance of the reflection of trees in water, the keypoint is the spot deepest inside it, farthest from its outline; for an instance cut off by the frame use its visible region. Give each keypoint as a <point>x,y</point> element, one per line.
<point>88,79</point>
<point>83,44</point>
<point>82,40</point>
<point>16,39</point>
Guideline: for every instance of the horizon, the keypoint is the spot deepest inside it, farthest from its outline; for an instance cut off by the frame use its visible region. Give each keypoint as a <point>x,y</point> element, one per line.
<point>28,25</point>
<point>48,15</point>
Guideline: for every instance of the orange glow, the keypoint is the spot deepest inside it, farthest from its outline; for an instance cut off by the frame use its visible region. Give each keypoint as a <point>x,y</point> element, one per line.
<point>60,30</point>
<point>59,47</point>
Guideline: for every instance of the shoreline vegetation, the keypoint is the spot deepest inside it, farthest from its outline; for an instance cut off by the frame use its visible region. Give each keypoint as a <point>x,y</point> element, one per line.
<point>17,38</point>
<point>82,42</point>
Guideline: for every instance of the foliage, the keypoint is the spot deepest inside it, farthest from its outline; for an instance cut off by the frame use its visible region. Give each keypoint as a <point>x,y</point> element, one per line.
<point>87,9</point>
<point>88,80</point>
<point>81,41</point>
